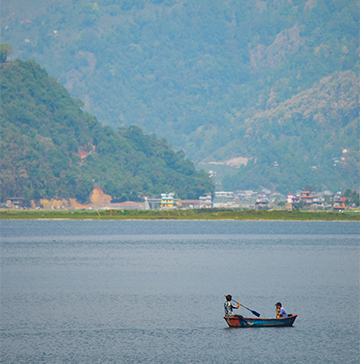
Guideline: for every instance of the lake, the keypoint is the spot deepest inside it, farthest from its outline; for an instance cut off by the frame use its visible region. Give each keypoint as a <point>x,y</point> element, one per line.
<point>153,291</point>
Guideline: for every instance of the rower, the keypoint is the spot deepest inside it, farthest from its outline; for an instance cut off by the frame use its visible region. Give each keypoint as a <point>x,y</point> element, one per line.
<point>229,306</point>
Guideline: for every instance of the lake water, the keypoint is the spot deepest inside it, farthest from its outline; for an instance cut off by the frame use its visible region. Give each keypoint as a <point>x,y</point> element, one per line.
<point>153,291</point>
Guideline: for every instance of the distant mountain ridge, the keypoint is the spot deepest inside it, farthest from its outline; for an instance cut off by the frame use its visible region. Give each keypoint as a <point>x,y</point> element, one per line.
<point>51,149</point>
<point>311,139</point>
<point>201,73</point>
<point>329,106</point>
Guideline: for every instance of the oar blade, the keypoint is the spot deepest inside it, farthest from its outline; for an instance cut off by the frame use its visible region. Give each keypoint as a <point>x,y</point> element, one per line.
<point>253,312</point>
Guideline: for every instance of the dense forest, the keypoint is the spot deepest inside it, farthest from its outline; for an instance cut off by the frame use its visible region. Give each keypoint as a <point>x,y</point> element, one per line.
<point>50,148</point>
<point>260,80</point>
<point>310,140</point>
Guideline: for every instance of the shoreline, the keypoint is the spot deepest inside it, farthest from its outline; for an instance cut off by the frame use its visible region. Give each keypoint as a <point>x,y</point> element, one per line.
<point>201,215</point>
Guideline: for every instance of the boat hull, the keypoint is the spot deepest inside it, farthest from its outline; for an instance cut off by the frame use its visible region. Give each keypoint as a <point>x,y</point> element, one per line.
<point>234,321</point>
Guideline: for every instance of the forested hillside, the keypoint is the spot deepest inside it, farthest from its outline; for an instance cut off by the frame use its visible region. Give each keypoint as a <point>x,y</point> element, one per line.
<point>203,73</point>
<point>309,140</point>
<point>50,148</point>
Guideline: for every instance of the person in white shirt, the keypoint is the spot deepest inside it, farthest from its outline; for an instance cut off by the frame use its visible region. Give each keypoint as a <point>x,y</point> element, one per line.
<point>229,306</point>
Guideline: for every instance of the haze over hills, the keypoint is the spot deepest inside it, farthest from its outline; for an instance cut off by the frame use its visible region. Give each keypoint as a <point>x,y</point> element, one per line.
<point>309,140</point>
<point>270,83</point>
<point>52,149</point>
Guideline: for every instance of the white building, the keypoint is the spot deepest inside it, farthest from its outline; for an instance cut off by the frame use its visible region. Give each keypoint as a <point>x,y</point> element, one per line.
<point>224,194</point>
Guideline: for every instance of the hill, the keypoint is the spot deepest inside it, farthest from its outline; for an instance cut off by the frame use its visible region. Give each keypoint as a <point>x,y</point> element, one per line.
<point>52,149</point>
<point>198,72</point>
<point>309,140</point>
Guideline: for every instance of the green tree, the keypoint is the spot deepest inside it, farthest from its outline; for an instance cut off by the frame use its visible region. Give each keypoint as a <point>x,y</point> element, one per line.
<point>5,51</point>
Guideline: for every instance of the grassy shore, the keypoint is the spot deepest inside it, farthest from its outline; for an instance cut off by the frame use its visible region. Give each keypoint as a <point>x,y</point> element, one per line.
<point>202,214</point>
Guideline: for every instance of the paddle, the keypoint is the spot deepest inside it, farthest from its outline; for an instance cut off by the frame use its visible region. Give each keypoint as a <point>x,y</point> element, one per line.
<point>253,312</point>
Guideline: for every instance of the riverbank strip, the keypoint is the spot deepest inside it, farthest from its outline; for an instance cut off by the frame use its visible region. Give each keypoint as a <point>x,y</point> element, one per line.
<point>196,214</point>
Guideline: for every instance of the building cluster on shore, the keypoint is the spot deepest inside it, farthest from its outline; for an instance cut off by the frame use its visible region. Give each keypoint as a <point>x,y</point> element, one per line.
<point>301,199</point>
<point>246,199</point>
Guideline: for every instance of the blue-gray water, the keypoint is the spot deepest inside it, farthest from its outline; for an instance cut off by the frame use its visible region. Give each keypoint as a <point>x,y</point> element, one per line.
<point>153,291</point>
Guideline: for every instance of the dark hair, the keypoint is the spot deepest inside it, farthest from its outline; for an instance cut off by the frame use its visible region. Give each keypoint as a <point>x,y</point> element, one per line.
<point>278,304</point>
<point>228,297</point>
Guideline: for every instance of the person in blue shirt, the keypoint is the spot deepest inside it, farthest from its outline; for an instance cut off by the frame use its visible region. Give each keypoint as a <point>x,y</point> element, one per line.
<point>280,310</point>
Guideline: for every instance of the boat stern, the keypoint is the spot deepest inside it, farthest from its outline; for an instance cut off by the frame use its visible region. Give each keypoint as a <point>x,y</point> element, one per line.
<point>234,321</point>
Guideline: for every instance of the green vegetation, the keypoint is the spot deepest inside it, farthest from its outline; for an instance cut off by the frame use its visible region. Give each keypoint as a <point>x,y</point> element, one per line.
<point>307,140</point>
<point>202,214</point>
<point>272,81</point>
<point>50,148</point>
<point>5,51</point>
<point>352,198</point>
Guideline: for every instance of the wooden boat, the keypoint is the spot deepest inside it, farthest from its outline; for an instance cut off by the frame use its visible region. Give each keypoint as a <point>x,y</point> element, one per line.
<point>234,321</point>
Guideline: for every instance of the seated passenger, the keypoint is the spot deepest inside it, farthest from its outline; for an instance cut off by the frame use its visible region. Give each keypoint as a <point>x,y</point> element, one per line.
<point>280,311</point>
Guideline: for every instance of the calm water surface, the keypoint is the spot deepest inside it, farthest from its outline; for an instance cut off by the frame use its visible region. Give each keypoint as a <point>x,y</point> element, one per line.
<point>153,291</point>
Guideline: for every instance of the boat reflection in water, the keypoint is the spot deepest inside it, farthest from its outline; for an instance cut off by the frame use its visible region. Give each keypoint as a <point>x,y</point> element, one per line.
<point>234,321</point>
